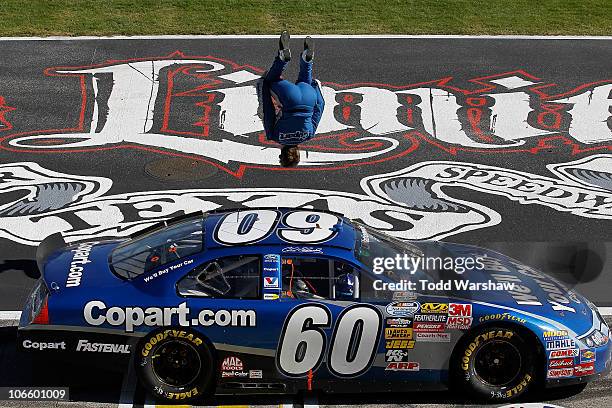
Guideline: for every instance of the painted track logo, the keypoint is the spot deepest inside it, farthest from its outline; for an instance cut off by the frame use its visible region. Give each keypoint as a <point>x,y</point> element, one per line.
<point>412,203</point>
<point>208,108</point>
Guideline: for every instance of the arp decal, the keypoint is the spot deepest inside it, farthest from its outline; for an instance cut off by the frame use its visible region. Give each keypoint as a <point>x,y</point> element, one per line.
<point>407,204</point>
<point>208,108</point>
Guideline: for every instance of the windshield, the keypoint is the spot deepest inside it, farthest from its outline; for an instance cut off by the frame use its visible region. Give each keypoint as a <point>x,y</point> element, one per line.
<point>157,248</point>
<point>371,245</point>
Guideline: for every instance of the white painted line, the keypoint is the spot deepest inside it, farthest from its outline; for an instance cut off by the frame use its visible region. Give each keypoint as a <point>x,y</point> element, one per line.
<point>330,36</point>
<point>10,316</point>
<point>128,386</point>
<point>605,311</point>
<point>311,402</point>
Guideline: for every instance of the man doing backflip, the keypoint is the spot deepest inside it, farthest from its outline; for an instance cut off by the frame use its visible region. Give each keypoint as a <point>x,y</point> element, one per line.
<point>291,111</point>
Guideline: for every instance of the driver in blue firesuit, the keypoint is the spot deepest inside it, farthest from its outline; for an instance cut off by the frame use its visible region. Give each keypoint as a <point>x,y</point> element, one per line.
<point>291,111</point>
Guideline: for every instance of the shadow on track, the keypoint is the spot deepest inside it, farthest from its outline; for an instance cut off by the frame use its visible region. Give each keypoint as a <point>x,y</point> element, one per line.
<point>97,385</point>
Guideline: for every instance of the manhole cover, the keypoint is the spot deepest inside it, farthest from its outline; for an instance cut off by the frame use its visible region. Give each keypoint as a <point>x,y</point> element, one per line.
<point>179,169</point>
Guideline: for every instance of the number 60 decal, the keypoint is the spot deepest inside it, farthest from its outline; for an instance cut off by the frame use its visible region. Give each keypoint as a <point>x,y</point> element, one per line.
<point>353,345</point>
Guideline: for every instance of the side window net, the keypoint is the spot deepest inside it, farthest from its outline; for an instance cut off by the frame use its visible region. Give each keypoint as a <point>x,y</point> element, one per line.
<point>235,277</point>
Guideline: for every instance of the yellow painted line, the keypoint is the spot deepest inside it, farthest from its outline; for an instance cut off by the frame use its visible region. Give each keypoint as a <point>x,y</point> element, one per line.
<point>172,406</point>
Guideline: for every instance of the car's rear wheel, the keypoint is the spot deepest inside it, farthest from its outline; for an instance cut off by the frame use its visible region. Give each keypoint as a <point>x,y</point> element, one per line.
<point>496,363</point>
<point>175,365</point>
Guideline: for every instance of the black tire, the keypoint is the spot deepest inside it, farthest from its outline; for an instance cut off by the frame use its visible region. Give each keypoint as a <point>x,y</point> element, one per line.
<point>495,364</point>
<point>175,364</point>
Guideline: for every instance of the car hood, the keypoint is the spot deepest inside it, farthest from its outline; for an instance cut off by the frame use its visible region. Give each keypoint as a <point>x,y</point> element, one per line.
<point>79,266</point>
<point>533,291</point>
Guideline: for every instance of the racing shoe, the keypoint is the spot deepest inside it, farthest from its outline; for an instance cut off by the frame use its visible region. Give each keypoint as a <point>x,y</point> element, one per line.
<point>308,53</point>
<point>284,53</point>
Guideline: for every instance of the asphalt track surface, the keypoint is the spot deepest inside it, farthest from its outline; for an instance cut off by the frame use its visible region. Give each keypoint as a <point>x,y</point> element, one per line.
<point>566,236</point>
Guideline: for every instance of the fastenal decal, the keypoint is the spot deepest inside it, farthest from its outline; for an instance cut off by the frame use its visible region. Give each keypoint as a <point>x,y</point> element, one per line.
<point>85,345</point>
<point>96,314</point>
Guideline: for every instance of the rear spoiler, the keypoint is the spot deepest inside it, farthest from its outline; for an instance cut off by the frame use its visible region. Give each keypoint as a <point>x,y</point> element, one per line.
<point>49,245</point>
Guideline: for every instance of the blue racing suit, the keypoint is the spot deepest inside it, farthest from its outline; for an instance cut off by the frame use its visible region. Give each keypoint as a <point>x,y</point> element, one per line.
<point>301,104</point>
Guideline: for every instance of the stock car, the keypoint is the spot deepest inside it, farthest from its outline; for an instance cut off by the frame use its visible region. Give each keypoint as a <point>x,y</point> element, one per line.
<point>280,300</point>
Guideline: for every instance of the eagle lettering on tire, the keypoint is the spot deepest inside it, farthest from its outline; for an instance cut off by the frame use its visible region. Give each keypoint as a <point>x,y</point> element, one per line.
<point>175,365</point>
<point>497,363</point>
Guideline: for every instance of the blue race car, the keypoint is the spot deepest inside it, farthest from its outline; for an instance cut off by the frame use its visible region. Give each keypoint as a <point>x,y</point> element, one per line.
<point>282,300</point>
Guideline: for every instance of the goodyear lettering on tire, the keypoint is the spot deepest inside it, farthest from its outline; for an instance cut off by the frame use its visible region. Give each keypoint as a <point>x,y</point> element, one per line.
<point>148,346</point>
<point>469,350</point>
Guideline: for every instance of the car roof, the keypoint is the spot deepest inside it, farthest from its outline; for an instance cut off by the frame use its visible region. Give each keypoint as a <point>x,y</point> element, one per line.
<point>343,238</point>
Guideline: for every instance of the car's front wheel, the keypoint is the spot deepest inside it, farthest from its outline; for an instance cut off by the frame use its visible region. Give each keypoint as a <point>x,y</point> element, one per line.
<point>496,363</point>
<point>175,365</point>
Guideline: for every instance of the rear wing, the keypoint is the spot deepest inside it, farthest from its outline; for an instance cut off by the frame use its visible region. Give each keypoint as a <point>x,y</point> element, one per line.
<point>49,245</point>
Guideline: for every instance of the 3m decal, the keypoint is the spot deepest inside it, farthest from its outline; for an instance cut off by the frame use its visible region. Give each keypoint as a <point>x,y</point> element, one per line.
<point>460,310</point>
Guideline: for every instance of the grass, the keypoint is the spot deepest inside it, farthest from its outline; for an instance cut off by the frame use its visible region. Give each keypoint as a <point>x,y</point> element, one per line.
<point>148,17</point>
